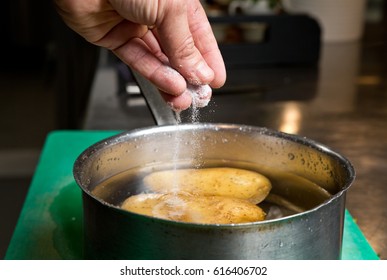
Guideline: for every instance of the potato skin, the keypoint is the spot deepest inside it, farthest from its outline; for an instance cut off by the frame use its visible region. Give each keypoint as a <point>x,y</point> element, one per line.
<point>222,181</point>
<point>194,208</point>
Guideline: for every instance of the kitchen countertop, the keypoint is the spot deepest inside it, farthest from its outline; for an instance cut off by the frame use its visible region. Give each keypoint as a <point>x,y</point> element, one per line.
<point>341,103</point>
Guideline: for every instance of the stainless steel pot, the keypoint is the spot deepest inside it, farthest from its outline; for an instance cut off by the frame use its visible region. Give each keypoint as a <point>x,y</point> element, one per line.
<point>322,180</point>
<point>309,180</point>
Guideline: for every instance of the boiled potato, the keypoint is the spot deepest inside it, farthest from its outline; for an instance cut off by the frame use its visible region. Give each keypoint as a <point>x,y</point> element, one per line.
<point>194,208</point>
<point>230,182</point>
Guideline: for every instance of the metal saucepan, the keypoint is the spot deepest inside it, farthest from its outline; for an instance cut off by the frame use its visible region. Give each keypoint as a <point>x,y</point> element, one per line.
<point>309,180</point>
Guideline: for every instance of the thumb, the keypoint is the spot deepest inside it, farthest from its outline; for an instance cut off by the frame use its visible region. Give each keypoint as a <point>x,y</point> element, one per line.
<point>177,42</point>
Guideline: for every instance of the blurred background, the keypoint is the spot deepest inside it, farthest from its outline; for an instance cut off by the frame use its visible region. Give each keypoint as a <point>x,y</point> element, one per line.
<point>332,62</point>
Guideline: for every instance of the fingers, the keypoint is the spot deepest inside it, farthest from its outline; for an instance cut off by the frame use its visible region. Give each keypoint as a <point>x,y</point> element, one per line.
<point>151,41</point>
<point>171,84</point>
<point>138,55</point>
<point>149,60</point>
<point>178,103</point>
<point>135,45</point>
<point>187,39</point>
<point>207,45</point>
<point>183,39</point>
<point>146,58</point>
<point>178,43</point>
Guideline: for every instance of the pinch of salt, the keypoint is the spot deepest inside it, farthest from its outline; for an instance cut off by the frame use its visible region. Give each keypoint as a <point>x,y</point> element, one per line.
<point>200,94</point>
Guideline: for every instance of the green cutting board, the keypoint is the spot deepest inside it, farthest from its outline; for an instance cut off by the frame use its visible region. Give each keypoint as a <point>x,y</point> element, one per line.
<point>50,223</point>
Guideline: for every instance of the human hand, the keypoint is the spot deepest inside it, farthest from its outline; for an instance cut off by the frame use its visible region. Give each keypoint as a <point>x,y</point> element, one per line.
<point>170,42</point>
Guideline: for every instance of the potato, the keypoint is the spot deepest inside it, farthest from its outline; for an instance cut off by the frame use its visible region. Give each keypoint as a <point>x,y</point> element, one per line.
<point>230,182</point>
<point>194,208</point>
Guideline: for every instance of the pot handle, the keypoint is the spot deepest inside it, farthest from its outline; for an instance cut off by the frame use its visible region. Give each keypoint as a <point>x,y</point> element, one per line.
<point>161,112</point>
